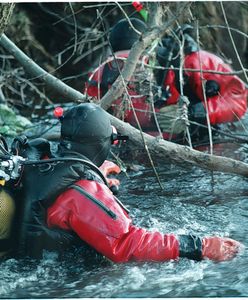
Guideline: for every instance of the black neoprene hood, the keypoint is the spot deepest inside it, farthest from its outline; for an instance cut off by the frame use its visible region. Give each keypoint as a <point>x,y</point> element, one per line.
<point>85,120</point>
<point>123,36</point>
<point>87,130</point>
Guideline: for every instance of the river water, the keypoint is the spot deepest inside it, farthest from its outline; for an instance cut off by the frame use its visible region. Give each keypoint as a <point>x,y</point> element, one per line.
<point>193,201</point>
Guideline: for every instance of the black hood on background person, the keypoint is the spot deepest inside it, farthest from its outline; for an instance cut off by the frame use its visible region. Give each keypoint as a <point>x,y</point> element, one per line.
<point>122,35</point>
<point>86,129</point>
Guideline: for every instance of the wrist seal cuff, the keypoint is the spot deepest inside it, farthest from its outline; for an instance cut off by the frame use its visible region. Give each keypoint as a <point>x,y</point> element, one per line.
<point>190,246</point>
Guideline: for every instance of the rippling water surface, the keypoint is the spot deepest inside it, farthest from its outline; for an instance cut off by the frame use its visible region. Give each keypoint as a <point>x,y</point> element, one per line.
<point>193,201</point>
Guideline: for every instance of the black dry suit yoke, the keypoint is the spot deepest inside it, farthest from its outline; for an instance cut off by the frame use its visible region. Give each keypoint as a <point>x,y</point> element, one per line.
<point>42,183</point>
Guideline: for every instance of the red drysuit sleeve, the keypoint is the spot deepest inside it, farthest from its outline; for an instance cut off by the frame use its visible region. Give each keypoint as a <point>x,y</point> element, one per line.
<point>231,102</point>
<point>101,222</point>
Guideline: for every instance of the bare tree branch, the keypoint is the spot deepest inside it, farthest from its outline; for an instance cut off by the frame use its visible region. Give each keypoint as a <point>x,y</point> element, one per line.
<point>233,43</point>
<point>117,88</point>
<point>179,154</point>
<point>156,9</point>
<point>33,69</point>
<point>6,10</point>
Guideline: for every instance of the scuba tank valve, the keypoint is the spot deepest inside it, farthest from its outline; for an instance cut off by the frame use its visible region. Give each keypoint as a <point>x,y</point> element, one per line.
<point>11,168</point>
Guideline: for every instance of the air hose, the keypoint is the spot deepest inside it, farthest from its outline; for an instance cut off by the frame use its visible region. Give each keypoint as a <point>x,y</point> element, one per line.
<point>13,162</point>
<point>61,159</point>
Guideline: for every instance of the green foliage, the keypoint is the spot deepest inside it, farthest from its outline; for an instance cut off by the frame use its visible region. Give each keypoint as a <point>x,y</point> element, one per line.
<point>11,124</point>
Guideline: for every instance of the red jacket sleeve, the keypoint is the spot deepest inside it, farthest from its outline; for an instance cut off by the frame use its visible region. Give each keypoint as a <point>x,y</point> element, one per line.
<point>92,212</point>
<point>92,85</point>
<point>231,103</point>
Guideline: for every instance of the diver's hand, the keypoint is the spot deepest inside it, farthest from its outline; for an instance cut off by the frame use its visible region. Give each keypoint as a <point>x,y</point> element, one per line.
<point>107,168</point>
<point>220,249</point>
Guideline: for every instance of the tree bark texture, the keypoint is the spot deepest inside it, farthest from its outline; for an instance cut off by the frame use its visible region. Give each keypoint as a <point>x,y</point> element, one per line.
<point>181,154</point>
<point>6,10</point>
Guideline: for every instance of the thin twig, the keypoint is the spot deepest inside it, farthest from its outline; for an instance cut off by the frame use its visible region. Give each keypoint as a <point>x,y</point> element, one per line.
<point>138,124</point>
<point>127,18</point>
<point>232,40</point>
<point>33,87</point>
<point>185,104</point>
<point>225,27</point>
<point>135,53</point>
<point>38,72</point>
<point>159,147</point>
<point>157,67</point>
<point>205,98</point>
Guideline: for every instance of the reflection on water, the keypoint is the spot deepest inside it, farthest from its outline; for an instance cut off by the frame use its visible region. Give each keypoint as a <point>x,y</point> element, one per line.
<point>194,201</point>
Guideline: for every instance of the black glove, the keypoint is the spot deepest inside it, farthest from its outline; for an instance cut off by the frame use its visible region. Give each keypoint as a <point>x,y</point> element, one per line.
<point>212,88</point>
<point>197,113</point>
<point>190,246</point>
<point>161,96</point>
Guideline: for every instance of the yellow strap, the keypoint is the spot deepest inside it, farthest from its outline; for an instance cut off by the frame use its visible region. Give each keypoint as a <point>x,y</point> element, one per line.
<point>2,182</point>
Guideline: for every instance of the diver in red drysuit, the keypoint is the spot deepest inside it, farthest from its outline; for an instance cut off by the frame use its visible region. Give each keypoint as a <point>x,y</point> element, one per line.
<point>88,208</point>
<point>100,80</point>
<point>226,95</point>
<point>66,201</point>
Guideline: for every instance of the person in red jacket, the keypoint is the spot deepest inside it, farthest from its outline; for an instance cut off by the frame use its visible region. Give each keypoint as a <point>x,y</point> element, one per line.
<point>121,38</point>
<point>223,97</point>
<point>209,83</point>
<point>77,200</point>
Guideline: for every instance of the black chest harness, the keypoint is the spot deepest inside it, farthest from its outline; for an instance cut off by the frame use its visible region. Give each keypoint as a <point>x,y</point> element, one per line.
<point>38,184</point>
<point>44,181</point>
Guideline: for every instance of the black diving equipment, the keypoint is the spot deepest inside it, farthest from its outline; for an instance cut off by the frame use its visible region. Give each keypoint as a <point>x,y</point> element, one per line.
<point>11,167</point>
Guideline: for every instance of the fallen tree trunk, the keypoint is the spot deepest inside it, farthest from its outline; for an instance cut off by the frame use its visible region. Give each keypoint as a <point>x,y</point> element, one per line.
<point>180,154</point>
<point>159,147</point>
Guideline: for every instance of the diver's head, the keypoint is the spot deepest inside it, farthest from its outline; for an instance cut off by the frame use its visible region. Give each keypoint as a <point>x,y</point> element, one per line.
<point>86,129</point>
<point>123,36</point>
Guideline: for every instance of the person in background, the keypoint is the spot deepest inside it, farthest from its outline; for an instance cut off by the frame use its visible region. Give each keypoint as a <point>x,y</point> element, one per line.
<point>223,97</point>
<point>121,39</point>
<point>67,201</point>
<point>208,83</point>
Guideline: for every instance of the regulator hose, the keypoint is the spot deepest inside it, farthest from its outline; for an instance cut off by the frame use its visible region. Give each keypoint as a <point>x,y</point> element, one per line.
<point>57,159</point>
<point>61,159</point>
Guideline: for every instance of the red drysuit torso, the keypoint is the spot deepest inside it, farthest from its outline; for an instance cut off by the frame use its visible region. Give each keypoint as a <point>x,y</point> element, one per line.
<point>90,210</point>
